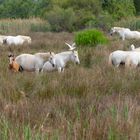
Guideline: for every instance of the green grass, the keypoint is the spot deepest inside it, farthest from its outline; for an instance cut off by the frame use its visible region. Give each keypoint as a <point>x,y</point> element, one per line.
<point>90,37</point>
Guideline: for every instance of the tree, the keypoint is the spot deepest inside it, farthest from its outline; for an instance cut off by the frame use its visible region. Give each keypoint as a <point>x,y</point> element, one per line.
<point>137,6</point>
<point>119,8</point>
<point>16,9</point>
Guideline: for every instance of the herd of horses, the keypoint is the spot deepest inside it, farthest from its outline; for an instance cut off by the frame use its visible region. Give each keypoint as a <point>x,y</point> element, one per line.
<point>128,58</point>
<point>43,62</point>
<point>49,61</point>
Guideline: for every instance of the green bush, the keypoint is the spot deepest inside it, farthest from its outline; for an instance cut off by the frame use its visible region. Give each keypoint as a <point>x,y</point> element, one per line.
<point>119,9</point>
<point>90,37</point>
<point>61,19</point>
<point>104,21</point>
<point>132,23</point>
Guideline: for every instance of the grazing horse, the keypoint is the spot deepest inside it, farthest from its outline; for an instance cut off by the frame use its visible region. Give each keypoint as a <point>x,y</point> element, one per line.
<point>13,40</point>
<point>59,60</point>
<point>125,33</point>
<point>30,62</point>
<point>26,39</point>
<point>118,57</point>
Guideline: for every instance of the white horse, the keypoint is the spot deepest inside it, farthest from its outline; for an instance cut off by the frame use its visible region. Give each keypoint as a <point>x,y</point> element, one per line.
<point>133,59</point>
<point>60,60</point>
<point>26,39</point>
<point>118,57</point>
<point>30,62</point>
<point>48,67</point>
<point>13,40</point>
<point>125,33</point>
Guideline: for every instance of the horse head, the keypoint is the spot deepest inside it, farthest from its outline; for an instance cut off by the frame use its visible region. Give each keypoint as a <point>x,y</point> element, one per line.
<point>5,41</point>
<point>75,57</point>
<point>112,31</point>
<point>52,60</point>
<point>14,65</point>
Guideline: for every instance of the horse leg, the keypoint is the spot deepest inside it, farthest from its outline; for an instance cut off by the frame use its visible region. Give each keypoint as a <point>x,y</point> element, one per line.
<point>62,69</point>
<point>59,69</point>
<point>37,70</point>
<point>123,37</point>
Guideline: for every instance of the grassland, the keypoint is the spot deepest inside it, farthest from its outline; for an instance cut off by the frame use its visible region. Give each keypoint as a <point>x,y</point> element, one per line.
<point>91,101</point>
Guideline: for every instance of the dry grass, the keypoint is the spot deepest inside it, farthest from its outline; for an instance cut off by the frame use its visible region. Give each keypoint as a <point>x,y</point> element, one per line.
<point>86,102</point>
<point>22,26</point>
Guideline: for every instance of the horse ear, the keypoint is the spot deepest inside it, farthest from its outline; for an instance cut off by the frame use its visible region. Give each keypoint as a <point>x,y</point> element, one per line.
<point>10,55</point>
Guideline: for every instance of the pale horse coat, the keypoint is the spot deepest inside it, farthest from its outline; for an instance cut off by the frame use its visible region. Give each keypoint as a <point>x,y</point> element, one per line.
<point>125,33</point>
<point>133,59</point>
<point>17,40</point>
<point>48,66</point>
<point>118,57</point>
<point>27,39</point>
<point>60,60</point>
<point>30,62</point>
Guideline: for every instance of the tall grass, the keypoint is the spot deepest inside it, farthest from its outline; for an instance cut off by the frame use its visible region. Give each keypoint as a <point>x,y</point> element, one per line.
<point>14,26</point>
<point>86,102</point>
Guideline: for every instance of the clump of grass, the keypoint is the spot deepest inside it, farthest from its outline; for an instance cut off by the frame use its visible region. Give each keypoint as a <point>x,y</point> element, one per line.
<point>90,37</point>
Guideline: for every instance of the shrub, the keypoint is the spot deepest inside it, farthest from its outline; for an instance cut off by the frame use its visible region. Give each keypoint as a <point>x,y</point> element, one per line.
<point>90,37</point>
<point>120,8</point>
<point>61,19</point>
<point>103,21</point>
<point>132,23</point>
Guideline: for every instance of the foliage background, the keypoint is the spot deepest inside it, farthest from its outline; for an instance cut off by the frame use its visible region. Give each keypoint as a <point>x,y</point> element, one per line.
<point>71,15</point>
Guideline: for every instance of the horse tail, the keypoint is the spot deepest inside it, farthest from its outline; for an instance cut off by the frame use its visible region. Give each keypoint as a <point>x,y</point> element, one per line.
<point>110,60</point>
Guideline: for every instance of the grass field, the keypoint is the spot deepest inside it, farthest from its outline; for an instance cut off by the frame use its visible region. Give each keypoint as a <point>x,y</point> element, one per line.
<point>91,101</point>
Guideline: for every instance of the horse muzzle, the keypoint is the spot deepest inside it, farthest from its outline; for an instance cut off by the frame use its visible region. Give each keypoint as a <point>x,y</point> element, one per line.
<point>77,63</point>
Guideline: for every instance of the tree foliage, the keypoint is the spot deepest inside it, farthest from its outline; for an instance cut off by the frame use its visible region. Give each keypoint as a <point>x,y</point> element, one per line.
<point>71,14</point>
<point>119,8</point>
